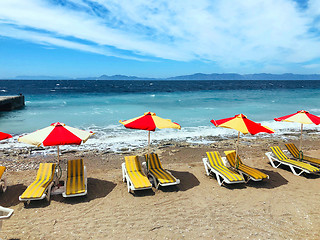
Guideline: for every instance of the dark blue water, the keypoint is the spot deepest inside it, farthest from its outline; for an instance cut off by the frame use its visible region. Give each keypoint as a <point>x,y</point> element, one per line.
<point>117,87</point>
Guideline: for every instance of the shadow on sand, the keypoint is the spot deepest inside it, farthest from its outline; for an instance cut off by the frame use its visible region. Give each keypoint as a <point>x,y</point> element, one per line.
<point>187,181</point>
<point>11,196</point>
<point>275,180</point>
<point>143,193</point>
<point>97,188</point>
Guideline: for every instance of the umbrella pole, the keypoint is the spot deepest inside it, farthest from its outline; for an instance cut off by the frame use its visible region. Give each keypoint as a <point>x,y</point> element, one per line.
<point>58,154</point>
<point>148,151</point>
<point>301,137</point>
<point>237,146</point>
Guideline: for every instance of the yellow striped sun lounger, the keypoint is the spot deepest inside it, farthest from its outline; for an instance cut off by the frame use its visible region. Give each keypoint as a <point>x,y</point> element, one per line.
<point>132,173</point>
<point>41,187</point>
<point>278,157</point>
<point>161,177</point>
<point>3,181</point>
<point>251,173</point>
<point>214,165</point>
<point>299,155</point>
<point>76,181</point>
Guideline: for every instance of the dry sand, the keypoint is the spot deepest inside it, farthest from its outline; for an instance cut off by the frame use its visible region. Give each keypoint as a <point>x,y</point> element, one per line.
<point>284,207</point>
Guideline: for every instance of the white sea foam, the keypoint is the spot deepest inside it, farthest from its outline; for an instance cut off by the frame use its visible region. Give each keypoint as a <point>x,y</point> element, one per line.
<point>115,137</point>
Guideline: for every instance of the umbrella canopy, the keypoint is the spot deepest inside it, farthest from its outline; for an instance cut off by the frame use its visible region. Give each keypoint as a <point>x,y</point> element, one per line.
<point>149,121</point>
<point>242,124</point>
<point>302,117</point>
<point>4,136</point>
<point>55,135</point>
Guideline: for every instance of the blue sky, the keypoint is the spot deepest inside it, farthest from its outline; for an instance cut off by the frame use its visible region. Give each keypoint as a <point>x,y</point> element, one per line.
<point>151,38</point>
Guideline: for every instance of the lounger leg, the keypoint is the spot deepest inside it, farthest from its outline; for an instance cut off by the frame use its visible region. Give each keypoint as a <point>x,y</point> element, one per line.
<point>207,170</point>
<point>294,171</point>
<point>128,185</point>
<point>49,191</point>
<point>218,179</point>
<point>206,166</point>
<point>26,203</point>
<point>271,161</point>
<point>3,185</point>
<point>246,179</point>
<point>273,165</point>
<point>123,174</point>
<point>156,184</point>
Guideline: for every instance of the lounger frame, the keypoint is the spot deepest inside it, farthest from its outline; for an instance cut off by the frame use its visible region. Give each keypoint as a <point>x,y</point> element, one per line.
<point>275,162</point>
<point>294,152</point>
<point>126,178</point>
<point>220,178</point>
<point>46,193</point>
<point>65,195</point>
<point>246,175</point>
<point>157,183</point>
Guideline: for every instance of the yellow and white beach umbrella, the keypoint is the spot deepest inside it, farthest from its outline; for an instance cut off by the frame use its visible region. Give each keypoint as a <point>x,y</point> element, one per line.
<point>149,121</point>
<point>302,117</point>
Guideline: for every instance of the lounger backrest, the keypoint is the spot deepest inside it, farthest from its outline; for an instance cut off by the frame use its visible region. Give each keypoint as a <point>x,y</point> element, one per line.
<point>45,173</point>
<point>156,169</point>
<point>215,159</point>
<point>231,156</point>
<point>75,183</point>
<point>278,153</point>
<point>154,161</point>
<point>2,169</point>
<point>132,164</point>
<point>133,167</point>
<point>75,168</point>
<point>293,149</point>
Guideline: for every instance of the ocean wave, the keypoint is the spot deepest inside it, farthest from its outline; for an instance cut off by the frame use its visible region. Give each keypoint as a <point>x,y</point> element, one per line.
<point>115,138</point>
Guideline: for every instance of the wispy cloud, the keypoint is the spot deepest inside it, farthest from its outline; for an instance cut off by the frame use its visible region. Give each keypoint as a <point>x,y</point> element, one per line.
<point>232,33</point>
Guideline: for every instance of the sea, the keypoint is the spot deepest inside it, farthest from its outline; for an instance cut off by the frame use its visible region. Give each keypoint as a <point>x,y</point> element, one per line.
<point>98,106</point>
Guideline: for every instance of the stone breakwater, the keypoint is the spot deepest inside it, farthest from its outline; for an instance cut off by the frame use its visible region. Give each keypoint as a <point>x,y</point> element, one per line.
<point>8,103</point>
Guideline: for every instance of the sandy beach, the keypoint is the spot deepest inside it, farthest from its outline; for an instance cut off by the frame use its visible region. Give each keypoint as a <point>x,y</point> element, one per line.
<point>283,207</point>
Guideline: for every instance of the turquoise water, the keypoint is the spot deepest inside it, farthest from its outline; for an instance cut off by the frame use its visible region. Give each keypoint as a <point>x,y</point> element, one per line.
<point>96,106</point>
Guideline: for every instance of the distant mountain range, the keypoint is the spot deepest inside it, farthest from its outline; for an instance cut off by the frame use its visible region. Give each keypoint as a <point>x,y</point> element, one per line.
<point>196,76</point>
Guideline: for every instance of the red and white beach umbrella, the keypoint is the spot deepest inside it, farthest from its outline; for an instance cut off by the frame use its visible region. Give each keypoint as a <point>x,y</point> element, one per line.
<point>55,135</point>
<point>302,117</point>
<point>4,136</point>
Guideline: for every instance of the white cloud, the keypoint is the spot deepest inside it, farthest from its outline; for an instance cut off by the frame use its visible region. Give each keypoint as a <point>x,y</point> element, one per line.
<point>228,32</point>
<point>315,66</point>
